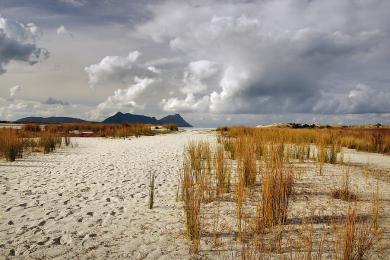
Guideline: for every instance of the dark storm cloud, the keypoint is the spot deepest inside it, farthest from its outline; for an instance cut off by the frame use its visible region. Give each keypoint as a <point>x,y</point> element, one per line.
<point>77,12</point>
<point>225,57</point>
<point>17,43</point>
<point>54,101</point>
<point>283,56</point>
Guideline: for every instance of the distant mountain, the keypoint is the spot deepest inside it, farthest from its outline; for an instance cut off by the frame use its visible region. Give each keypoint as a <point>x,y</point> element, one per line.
<point>53,120</point>
<point>120,118</point>
<point>174,119</point>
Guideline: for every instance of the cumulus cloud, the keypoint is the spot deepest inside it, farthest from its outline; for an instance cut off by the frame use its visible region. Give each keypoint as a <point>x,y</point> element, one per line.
<point>197,76</point>
<point>54,101</point>
<point>360,99</point>
<point>122,99</point>
<point>189,104</point>
<point>17,42</point>
<point>14,90</point>
<point>62,30</point>
<point>112,68</point>
<point>266,57</point>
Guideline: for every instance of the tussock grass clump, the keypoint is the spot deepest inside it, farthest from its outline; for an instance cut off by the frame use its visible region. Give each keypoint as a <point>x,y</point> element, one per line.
<point>171,127</point>
<point>300,152</point>
<point>277,185</point>
<point>49,142</point>
<point>240,192</point>
<point>191,195</point>
<point>67,140</point>
<point>34,128</point>
<point>222,171</point>
<point>344,192</point>
<point>247,160</point>
<point>356,238</point>
<point>230,147</point>
<point>11,145</point>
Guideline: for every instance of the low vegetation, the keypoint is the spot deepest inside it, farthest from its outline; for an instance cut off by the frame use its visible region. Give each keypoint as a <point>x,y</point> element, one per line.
<point>363,139</point>
<point>11,145</point>
<point>344,191</point>
<point>101,130</point>
<point>14,143</point>
<point>253,174</point>
<point>171,127</point>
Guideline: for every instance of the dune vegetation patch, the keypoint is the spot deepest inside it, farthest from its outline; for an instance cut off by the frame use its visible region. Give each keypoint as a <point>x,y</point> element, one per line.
<point>279,193</point>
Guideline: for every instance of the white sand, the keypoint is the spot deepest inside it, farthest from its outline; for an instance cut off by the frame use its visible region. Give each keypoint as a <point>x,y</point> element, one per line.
<point>362,158</point>
<point>91,201</point>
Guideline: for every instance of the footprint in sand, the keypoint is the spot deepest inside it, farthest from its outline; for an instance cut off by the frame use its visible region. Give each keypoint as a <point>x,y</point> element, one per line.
<point>56,241</point>
<point>43,242</point>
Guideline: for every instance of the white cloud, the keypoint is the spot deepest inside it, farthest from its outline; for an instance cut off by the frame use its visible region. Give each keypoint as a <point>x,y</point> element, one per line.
<point>62,30</point>
<point>112,68</point>
<point>197,75</point>
<point>122,99</point>
<point>189,104</point>
<point>154,69</point>
<point>14,90</point>
<point>231,84</point>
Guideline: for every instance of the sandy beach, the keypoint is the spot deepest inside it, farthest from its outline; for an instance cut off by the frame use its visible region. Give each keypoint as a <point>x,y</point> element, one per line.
<point>90,201</point>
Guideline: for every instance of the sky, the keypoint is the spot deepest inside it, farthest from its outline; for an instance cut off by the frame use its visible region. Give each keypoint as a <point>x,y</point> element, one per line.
<point>215,62</point>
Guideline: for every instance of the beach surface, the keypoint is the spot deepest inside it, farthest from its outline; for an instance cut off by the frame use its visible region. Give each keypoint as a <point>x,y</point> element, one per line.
<point>91,201</point>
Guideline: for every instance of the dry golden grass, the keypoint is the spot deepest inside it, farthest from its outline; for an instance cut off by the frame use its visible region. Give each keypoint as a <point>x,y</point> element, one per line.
<point>355,239</point>
<point>100,130</point>
<point>344,191</point>
<point>246,157</point>
<point>253,173</point>
<point>363,139</point>
<point>33,137</point>
<point>171,127</point>
<point>49,141</point>
<point>11,145</point>
<point>222,171</point>
<point>277,184</point>
<point>191,198</point>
